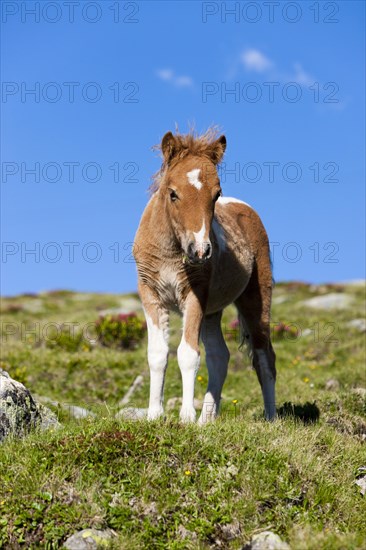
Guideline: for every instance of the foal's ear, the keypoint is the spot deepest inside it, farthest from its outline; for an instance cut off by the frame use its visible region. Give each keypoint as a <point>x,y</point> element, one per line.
<point>168,146</point>
<point>218,149</point>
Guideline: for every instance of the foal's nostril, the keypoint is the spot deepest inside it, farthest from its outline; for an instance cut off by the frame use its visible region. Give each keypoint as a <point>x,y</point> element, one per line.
<point>207,251</point>
<point>191,251</point>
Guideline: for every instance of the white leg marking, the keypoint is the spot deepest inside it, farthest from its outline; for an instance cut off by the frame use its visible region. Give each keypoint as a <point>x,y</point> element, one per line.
<point>193,178</point>
<point>217,359</point>
<point>188,360</point>
<point>268,384</point>
<point>157,353</point>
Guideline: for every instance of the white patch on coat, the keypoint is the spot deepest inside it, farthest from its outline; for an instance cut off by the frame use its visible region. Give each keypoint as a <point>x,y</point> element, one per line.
<point>268,384</point>
<point>200,235</point>
<point>157,354</point>
<point>219,234</point>
<point>228,200</point>
<point>193,176</point>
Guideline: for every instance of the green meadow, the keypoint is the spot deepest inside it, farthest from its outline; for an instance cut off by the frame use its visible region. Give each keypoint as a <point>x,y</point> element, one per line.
<point>162,484</point>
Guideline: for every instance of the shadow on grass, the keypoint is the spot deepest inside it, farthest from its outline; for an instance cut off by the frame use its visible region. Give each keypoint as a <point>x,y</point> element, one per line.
<point>308,413</point>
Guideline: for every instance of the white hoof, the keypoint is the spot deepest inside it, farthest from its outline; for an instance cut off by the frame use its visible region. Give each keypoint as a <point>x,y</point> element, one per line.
<point>187,415</point>
<point>208,413</point>
<point>154,414</point>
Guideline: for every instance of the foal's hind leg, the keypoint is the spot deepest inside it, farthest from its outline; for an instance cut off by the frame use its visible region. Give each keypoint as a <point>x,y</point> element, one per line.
<point>254,311</point>
<point>217,359</point>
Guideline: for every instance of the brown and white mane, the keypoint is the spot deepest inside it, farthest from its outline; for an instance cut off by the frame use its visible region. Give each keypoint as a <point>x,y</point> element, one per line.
<point>196,252</point>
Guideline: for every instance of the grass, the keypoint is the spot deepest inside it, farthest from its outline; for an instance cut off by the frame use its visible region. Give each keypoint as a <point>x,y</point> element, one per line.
<point>165,485</point>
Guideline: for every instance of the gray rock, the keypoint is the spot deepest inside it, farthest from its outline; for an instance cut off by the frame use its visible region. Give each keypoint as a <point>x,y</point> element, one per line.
<point>231,530</point>
<point>186,534</point>
<point>77,412</point>
<point>131,413</point>
<point>362,484</point>
<point>33,306</point>
<point>333,300</point>
<point>267,541</point>
<point>48,419</point>
<point>19,412</point>
<point>89,539</point>
<point>332,384</point>
<point>74,410</point>
<point>360,391</point>
<point>358,324</point>
<point>277,300</point>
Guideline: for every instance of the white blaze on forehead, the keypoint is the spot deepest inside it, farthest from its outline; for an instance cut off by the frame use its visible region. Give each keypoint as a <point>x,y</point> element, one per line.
<point>193,176</point>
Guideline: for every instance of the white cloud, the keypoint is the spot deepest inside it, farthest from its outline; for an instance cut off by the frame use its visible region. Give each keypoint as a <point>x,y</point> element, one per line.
<point>168,75</point>
<point>254,60</point>
<point>165,74</point>
<point>301,77</point>
<point>183,81</point>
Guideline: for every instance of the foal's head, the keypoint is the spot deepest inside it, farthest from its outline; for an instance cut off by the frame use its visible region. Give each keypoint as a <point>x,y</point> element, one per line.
<point>190,186</point>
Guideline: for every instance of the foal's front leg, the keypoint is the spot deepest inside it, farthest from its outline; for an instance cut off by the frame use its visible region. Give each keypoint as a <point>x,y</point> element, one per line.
<point>189,354</point>
<point>157,320</point>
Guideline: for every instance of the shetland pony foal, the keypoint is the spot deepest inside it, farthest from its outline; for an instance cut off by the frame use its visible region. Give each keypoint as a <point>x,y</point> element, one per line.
<point>197,252</point>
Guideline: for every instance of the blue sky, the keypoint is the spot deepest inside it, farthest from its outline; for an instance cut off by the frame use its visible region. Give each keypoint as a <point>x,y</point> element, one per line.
<point>106,91</point>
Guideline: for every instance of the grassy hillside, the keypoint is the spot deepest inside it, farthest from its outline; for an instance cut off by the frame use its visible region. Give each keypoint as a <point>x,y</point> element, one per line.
<point>164,485</point>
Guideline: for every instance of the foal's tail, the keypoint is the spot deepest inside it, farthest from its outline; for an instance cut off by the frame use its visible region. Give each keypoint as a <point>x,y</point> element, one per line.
<point>245,337</point>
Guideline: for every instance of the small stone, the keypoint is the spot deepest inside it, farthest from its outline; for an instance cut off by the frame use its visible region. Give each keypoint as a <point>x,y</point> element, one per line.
<point>131,413</point>
<point>362,484</point>
<point>231,531</point>
<point>277,300</point>
<point>34,306</point>
<point>232,470</point>
<point>78,412</point>
<point>358,324</point>
<point>267,541</point>
<point>332,384</point>
<point>186,534</point>
<point>89,539</point>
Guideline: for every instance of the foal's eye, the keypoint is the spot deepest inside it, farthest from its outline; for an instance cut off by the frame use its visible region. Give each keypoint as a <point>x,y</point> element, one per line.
<point>218,194</point>
<point>173,195</point>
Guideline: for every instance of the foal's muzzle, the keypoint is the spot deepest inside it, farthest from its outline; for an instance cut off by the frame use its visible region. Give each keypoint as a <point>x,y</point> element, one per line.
<point>199,254</point>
